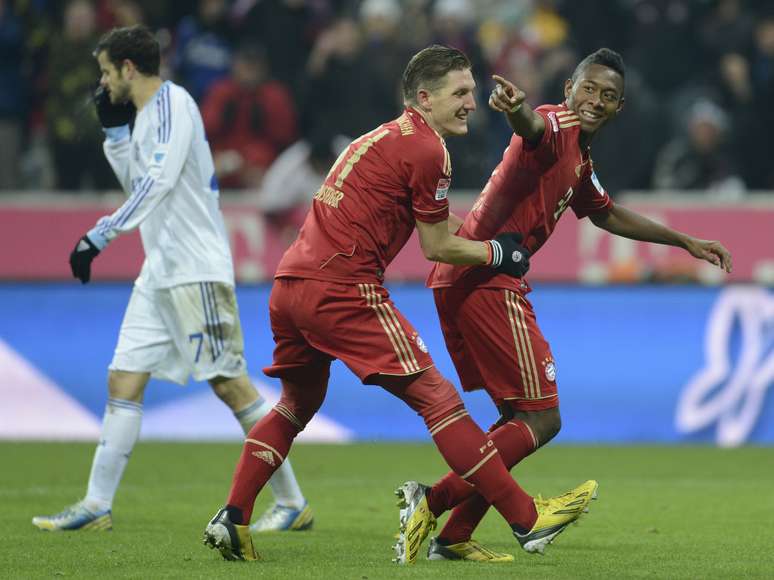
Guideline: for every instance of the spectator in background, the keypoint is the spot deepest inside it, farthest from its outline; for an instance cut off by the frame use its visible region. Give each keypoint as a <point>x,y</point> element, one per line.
<point>286,29</point>
<point>414,32</point>
<point>727,28</point>
<point>119,13</point>
<point>12,95</point>
<point>761,168</point>
<point>249,119</point>
<point>699,159</point>
<point>335,92</point>
<point>663,46</point>
<point>74,133</point>
<point>380,24</point>
<point>294,178</point>
<point>203,50</point>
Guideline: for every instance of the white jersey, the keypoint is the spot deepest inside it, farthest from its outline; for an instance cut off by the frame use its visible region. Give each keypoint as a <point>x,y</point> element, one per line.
<point>166,169</point>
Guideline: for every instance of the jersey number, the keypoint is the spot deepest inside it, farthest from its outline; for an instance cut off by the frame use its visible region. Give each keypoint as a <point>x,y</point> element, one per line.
<point>352,155</point>
<point>562,205</point>
<point>200,337</point>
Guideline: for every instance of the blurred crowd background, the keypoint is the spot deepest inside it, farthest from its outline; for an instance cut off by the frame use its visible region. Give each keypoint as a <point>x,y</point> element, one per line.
<point>283,84</point>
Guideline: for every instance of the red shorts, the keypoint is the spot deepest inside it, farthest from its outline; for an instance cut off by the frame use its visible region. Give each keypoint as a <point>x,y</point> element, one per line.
<point>315,322</point>
<point>495,344</point>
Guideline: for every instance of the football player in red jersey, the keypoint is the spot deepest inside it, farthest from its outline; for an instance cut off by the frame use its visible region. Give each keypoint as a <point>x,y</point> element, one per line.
<point>489,325</point>
<point>328,303</point>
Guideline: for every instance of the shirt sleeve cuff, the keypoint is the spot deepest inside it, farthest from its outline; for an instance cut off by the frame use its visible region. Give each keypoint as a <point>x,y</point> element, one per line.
<point>99,240</point>
<point>117,133</point>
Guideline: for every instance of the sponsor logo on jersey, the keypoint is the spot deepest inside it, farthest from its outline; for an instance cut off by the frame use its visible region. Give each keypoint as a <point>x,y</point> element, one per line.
<point>442,191</point>
<point>421,344</point>
<point>158,156</point>
<point>596,183</point>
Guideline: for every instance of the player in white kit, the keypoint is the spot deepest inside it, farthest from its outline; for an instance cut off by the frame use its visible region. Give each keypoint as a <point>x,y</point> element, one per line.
<point>182,316</point>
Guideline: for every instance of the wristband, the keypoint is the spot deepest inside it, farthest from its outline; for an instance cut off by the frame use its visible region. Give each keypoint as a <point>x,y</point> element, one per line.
<point>496,253</point>
<point>117,133</point>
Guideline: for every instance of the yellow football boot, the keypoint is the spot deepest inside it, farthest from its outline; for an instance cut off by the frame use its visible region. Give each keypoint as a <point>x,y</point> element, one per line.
<point>470,551</point>
<point>416,521</point>
<point>555,514</point>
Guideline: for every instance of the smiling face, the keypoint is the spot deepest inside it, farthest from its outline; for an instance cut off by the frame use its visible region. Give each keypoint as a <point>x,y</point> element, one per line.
<point>112,79</point>
<point>448,105</point>
<point>596,96</point>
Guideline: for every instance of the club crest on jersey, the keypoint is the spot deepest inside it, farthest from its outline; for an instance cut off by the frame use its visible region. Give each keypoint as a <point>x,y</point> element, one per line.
<point>421,344</point>
<point>442,190</point>
<point>550,369</point>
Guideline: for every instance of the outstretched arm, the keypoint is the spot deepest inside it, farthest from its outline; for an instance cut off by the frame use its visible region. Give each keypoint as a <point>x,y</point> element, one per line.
<point>629,224</point>
<point>440,245</point>
<point>504,253</point>
<point>507,98</point>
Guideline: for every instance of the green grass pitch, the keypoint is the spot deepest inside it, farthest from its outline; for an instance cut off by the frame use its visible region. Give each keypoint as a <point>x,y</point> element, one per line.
<point>663,512</point>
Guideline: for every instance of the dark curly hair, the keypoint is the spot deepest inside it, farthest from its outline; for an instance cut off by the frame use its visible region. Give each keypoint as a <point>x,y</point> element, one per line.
<point>605,57</point>
<point>135,43</point>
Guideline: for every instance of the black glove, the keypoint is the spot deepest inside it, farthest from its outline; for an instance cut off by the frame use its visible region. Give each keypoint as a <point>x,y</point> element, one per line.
<point>113,115</point>
<point>80,259</point>
<point>508,255</point>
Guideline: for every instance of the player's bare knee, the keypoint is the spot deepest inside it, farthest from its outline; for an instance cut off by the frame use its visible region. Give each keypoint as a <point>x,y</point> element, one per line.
<point>236,392</point>
<point>553,424</point>
<point>127,386</point>
<point>546,424</point>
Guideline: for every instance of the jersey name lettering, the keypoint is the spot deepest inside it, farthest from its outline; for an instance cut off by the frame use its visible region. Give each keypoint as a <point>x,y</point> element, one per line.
<point>329,196</point>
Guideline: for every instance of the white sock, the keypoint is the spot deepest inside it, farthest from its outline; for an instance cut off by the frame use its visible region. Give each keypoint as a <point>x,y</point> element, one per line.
<point>120,430</point>
<point>283,483</point>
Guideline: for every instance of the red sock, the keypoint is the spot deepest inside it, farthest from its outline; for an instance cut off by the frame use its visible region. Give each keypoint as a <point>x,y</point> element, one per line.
<point>474,457</point>
<point>515,441</point>
<point>266,447</point>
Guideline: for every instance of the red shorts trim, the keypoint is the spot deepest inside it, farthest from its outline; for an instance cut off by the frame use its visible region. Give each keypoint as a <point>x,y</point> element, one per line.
<point>495,343</point>
<point>315,322</point>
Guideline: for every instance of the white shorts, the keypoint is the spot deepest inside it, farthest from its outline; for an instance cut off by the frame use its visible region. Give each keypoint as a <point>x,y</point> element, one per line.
<point>176,332</point>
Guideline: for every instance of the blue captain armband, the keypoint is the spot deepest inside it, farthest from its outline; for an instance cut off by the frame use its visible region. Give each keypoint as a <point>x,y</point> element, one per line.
<point>117,133</point>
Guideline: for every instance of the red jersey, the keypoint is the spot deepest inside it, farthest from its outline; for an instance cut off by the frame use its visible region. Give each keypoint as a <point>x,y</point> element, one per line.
<point>366,209</point>
<point>527,193</point>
